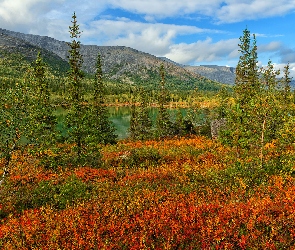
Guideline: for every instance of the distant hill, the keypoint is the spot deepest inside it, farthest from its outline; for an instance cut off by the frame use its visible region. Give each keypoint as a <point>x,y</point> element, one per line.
<point>119,63</point>
<point>220,74</point>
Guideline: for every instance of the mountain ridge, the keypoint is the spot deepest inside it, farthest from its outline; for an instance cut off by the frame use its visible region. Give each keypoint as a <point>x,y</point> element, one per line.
<point>119,62</point>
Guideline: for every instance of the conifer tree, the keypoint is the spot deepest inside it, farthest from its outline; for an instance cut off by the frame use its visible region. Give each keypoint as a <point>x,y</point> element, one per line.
<point>43,121</point>
<point>163,123</point>
<point>140,122</point>
<point>182,126</point>
<point>246,89</point>
<point>133,122</point>
<point>246,82</point>
<point>261,107</point>
<point>76,116</point>
<point>286,80</point>
<point>102,130</point>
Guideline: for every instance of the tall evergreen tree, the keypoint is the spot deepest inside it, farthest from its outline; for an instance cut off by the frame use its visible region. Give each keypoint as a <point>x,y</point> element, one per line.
<point>163,123</point>
<point>286,88</point>
<point>247,82</point>
<point>140,122</point>
<point>246,89</point>
<point>102,130</point>
<point>76,115</point>
<point>43,119</point>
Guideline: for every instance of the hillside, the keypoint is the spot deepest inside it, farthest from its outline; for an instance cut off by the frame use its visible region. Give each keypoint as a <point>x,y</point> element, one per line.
<point>216,73</point>
<point>119,63</point>
<point>221,74</point>
<point>11,46</point>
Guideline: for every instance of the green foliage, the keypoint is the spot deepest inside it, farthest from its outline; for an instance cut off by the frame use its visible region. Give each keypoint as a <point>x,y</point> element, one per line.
<point>101,129</point>
<point>14,119</point>
<point>87,120</point>
<point>163,123</point>
<point>76,117</point>
<point>183,125</point>
<point>262,107</point>
<point>224,95</point>
<point>140,122</point>
<point>143,158</point>
<point>60,195</point>
<point>43,120</point>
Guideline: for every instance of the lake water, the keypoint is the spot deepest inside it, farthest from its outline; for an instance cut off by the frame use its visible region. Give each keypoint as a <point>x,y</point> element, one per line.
<point>120,117</point>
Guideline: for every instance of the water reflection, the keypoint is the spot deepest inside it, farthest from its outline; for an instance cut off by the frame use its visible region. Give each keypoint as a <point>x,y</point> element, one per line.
<point>120,116</point>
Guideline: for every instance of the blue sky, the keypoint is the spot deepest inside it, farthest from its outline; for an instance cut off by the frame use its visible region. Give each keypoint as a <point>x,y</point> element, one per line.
<point>192,32</point>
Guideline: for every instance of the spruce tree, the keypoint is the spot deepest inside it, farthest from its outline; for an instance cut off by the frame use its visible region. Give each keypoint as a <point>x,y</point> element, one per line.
<point>247,82</point>
<point>140,122</point>
<point>182,126</point>
<point>43,119</point>
<point>246,89</point>
<point>286,88</point>
<point>102,130</point>
<point>76,116</point>
<point>163,123</point>
<point>133,122</point>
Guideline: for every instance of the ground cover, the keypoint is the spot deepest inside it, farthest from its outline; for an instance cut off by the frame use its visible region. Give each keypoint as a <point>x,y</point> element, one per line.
<point>178,193</point>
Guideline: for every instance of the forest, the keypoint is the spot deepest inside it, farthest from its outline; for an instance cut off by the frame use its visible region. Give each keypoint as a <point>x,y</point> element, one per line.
<point>67,182</point>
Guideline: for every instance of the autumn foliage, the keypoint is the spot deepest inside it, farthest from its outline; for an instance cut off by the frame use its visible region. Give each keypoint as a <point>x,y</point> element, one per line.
<point>179,193</point>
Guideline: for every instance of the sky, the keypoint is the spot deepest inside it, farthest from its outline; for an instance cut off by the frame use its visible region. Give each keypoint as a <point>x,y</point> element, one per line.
<point>190,32</point>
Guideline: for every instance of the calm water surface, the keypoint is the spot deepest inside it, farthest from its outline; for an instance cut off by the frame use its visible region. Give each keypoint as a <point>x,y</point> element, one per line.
<point>119,116</point>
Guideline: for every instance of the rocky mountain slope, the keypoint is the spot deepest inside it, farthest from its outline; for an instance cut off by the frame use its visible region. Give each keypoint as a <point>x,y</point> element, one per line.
<point>119,62</point>
<point>11,45</point>
<point>220,74</point>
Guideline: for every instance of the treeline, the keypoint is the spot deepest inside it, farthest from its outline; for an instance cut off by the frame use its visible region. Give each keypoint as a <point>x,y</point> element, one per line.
<point>28,114</point>
<point>261,117</point>
<point>29,118</point>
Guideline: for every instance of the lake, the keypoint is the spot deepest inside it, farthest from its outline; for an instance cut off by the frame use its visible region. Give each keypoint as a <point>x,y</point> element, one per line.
<point>120,117</point>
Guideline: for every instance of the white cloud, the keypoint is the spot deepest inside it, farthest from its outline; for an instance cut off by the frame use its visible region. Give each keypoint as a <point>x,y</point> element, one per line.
<point>164,8</point>
<point>152,38</point>
<point>272,46</point>
<point>235,11</point>
<point>202,51</point>
<point>28,12</point>
<point>226,11</point>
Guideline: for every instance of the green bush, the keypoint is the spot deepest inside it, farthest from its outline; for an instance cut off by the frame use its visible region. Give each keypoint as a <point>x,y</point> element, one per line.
<point>60,195</point>
<point>143,157</point>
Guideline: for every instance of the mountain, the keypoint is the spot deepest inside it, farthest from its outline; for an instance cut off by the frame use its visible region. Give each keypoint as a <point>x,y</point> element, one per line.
<point>216,73</point>
<point>169,60</point>
<point>222,74</point>
<point>119,63</point>
<point>11,45</point>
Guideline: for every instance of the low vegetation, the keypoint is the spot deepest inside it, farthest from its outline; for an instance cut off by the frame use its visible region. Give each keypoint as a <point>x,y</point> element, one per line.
<point>182,193</point>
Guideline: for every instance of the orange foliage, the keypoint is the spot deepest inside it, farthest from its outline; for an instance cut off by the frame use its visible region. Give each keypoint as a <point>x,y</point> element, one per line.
<point>156,207</point>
